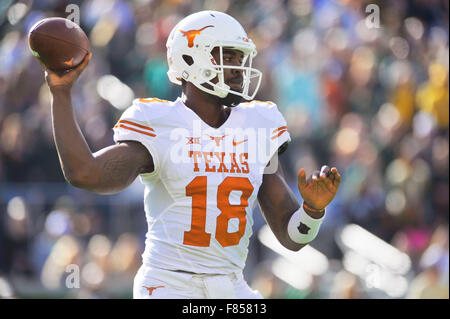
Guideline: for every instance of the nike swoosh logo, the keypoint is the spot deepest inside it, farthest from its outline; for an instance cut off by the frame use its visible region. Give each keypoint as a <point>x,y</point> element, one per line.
<point>70,62</point>
<point>237,143</point>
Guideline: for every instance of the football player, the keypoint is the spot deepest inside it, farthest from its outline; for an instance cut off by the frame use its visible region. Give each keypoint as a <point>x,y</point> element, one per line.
<point>205,159</point>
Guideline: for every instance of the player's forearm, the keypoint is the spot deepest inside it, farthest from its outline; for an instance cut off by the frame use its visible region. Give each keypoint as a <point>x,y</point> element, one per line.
<point>75,157</point>
<point>278,203</point>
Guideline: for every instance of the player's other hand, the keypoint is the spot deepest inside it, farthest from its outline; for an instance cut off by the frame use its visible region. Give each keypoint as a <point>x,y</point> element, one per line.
<point>66,79</point>
<point>320,188</point>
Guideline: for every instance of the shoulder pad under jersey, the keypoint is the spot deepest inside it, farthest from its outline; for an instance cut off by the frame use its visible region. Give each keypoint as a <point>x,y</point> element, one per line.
<point>152,108</point>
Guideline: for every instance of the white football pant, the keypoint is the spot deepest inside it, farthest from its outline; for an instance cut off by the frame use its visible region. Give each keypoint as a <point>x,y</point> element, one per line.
<point>156,283</point>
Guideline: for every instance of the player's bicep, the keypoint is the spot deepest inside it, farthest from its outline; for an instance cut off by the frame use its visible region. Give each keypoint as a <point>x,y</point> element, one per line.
<point>117,166</point>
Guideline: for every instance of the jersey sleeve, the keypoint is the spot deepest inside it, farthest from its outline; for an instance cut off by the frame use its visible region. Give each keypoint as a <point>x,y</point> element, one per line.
<point>278,135</point>
<point>134,125</point>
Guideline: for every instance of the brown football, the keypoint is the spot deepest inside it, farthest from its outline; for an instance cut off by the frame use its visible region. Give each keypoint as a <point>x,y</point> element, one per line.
<point>58,43</point>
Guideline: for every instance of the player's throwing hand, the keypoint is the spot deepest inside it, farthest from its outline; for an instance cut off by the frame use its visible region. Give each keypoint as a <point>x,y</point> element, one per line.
<point>320,188</point>
<point>66,79</point>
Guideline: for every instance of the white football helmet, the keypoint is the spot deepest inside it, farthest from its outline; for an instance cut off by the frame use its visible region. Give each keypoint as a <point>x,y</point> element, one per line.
<point>189,56</point>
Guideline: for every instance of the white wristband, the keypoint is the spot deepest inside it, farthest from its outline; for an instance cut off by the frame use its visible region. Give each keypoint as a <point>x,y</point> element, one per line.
<point>302,228</point>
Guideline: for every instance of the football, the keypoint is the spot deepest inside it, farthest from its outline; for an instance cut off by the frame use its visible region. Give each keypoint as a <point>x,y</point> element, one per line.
<point>58,43</point>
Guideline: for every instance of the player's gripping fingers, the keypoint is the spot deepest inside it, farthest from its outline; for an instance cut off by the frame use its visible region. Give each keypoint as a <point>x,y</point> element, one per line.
<point>323,177</point>
<point>74,73</point>
<point>337,176</point>
<point>332,174</point>
<point>324,171</point>
<point>301,178</point>
<point>315,178</point>
<point>67,78</point>
<point>328,183</point>
<point>79,68</point>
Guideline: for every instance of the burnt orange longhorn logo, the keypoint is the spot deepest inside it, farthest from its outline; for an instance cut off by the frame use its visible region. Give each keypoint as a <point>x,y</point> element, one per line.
<point>191,34</point>
<point>217,139</point>
<point>150,289</point>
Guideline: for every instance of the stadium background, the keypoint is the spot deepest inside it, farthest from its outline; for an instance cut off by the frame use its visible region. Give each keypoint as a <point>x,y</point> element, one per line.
<point>373,102</point>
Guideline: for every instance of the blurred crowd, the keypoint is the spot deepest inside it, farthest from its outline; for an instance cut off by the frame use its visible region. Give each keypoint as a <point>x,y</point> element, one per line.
<point>371,99</point>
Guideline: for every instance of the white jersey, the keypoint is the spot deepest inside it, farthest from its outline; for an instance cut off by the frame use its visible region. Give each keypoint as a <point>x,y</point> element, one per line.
<point>199,199</point>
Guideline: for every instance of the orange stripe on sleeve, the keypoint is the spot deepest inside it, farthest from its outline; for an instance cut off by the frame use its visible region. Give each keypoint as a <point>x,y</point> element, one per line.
<point>133,129</point>
<point>280,128</point>
<point>279,133</point>
<point>153,99</point>
<point>138,125</point>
